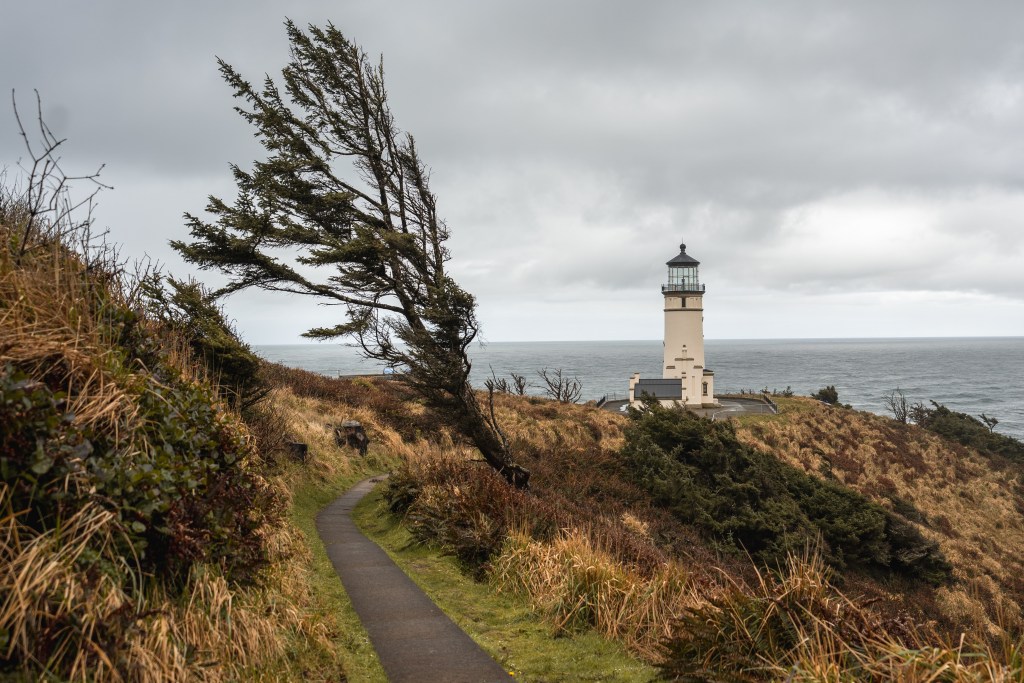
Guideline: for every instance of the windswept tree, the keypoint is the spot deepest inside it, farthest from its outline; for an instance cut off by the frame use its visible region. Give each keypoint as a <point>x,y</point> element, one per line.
<point>341,210</point>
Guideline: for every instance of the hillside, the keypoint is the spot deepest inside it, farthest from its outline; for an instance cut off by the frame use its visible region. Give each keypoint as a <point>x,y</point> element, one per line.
<point>594,547</point>
<point>158,523</point>
<point>151,519</point>
<point>157,518</point>
<point>971,503</point>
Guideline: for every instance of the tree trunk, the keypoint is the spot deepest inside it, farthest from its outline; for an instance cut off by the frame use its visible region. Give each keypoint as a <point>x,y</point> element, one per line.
<point>492,445</point>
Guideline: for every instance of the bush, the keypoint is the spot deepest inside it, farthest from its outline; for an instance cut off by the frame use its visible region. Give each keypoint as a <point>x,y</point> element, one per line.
<point>827,395</point>
<point>966,430</point>
<point>177,484</point>
<point>464,510</point>
<point>742,498</point>
<point>792,625</point>
<point>42,452</point>
<point>191,311</point>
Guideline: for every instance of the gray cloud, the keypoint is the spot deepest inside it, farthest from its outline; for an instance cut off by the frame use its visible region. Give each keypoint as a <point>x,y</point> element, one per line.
<point>804,151</point>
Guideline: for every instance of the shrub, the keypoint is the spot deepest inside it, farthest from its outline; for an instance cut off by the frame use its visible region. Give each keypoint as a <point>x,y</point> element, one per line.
<point>42,453</point>
<point>792,625</point>
<point>967,430</point>
<point>464,510</point>
<point>743,498</point>
<point>191,311</point>
<point>827,395</point>
<point>177,483</point>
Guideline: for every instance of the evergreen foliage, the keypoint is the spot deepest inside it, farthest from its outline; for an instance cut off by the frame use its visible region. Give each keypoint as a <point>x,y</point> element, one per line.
<point>742,498</point>
<point>827,395</point>
<point>373,245</point>
<point>191,309</point>
<point>967,430</point>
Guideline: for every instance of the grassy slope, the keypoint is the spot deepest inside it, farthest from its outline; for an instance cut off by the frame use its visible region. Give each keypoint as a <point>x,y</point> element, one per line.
<point>76,604</point>
<point>505,626</point>
<point>326,474</point>
<point>969,503</point>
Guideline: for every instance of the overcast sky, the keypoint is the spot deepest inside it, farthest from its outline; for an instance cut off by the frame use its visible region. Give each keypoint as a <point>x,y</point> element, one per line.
<point>839,169</point>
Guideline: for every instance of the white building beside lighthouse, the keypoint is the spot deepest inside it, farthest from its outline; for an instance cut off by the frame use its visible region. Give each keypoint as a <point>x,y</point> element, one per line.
<point>685,380</point>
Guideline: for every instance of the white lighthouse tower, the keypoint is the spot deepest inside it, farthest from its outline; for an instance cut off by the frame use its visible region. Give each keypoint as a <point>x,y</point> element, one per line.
<point>685,379</point>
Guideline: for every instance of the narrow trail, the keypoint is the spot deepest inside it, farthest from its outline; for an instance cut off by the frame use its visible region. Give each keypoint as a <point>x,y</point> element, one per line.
<point>414,639</point>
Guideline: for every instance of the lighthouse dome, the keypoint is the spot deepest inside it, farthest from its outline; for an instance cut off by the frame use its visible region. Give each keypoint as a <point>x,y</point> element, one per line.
<point>682,274</point>
<point>683,259</point>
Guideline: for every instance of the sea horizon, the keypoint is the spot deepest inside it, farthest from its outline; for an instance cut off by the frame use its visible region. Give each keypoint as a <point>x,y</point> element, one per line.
<point>968,374</point>
<point>706,339</point>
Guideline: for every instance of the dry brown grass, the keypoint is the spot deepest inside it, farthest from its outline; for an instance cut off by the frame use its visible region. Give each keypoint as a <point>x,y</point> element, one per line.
<point>112,626</point>
<point>541,425</point>
<point>575,585</point>
<point>795,626</point>
<point>616,564</point>
<point>584,546</point>
<point>308,420</point>
<point>587,547</point>
<point>49,327</point>
<point>72,607</point>
<point>970,504</point>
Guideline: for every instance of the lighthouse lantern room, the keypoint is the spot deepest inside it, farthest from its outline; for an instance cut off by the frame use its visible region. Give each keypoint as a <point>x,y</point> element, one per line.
<point>685,380</point>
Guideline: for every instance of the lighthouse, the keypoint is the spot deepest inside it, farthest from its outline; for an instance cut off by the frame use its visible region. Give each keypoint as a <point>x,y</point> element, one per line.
<point>685,379</point>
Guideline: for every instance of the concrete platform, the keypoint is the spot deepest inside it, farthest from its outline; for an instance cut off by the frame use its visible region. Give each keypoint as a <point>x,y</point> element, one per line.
<point>728,406</point>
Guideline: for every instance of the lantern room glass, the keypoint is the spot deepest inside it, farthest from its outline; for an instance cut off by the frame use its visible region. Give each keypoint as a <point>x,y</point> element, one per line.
<point>683,277</point>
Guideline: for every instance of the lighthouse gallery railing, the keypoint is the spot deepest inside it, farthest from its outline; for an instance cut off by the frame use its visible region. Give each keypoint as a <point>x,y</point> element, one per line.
<point>683,288</point>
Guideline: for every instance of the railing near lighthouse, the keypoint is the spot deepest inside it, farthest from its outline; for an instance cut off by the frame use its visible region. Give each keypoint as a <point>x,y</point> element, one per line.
<point>683,288</point>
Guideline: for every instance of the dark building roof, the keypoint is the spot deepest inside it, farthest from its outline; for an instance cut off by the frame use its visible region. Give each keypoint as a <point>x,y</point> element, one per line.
<point>683,259</point>
<point>659,388</point>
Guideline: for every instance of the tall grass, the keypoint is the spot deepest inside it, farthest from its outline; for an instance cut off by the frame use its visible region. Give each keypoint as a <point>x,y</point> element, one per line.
<point>794,625</point>
<point>589,551</point>
<point>970,503</point>
<point>102,620</point>
<point>51,613</point>
<point>129,492</point>
<point>576,586</point>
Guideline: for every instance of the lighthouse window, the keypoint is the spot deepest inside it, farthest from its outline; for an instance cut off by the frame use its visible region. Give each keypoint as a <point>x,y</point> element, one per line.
<point>686,277</point>
<point>705,387</point>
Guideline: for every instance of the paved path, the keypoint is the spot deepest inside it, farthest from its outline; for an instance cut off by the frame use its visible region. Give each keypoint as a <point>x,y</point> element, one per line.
<point>413,638</point>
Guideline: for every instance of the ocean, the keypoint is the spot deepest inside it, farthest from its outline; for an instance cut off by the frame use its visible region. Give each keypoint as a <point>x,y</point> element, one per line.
<point>973,375</point>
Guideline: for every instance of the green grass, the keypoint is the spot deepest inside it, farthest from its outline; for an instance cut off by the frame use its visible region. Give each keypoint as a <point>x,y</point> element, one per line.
<point>353,649</point>
<point>788,407</point>
<point>504,626</point>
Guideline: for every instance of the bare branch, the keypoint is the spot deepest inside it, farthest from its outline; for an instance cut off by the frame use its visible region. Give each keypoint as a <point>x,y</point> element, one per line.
<point>897,404</point>
<point>519,384</point>
<point>52,209</point>
<point>560,386</point>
